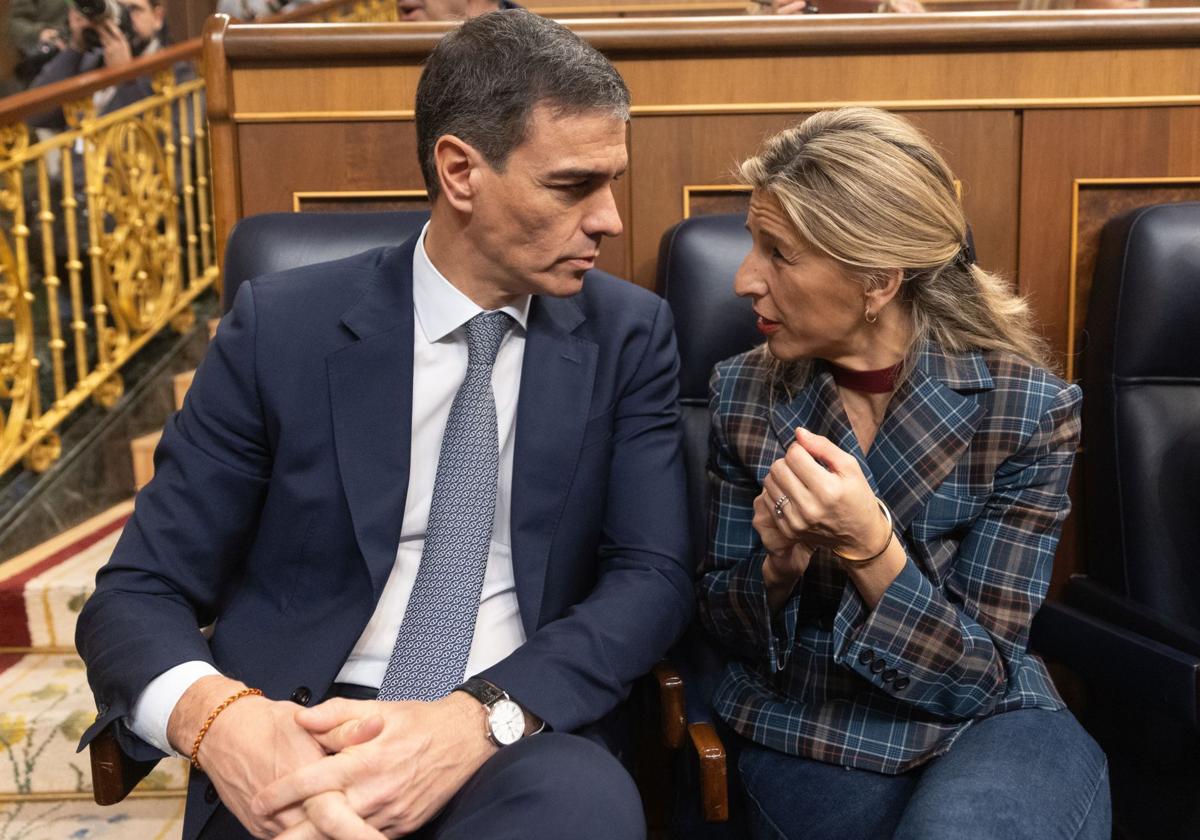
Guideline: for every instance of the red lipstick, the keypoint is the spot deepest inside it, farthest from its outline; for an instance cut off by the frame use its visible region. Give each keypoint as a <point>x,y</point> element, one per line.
<point>767,326</point>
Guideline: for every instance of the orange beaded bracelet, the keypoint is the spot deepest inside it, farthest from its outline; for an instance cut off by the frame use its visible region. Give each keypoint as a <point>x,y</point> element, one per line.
<point>229,701</point>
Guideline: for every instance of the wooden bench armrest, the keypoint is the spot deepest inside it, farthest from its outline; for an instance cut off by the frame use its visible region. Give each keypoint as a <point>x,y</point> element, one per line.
<point>713,775</point>
<point>671,704</point>
<point>114,774</point>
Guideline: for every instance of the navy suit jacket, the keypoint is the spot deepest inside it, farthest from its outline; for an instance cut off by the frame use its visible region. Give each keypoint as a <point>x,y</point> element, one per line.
<point>279,493</point>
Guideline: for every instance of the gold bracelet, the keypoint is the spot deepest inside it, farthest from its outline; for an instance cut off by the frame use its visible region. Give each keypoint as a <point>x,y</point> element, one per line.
<point>229,701</point>
<point>863,561</point>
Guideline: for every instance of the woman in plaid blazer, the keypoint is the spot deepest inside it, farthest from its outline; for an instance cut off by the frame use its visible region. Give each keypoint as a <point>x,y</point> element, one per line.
<point>889,480</point>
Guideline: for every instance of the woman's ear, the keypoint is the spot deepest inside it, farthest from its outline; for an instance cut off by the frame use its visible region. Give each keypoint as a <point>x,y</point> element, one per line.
<point>457,162</point>
<point>888,288</point>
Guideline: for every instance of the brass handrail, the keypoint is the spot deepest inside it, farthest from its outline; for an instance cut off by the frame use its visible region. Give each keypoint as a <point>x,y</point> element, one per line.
<point>106,235</point>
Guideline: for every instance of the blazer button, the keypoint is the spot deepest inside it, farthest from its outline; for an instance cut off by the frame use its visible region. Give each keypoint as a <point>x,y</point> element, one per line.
<point>301,695</point>
<point>865,657</point>
<point>878,665</point>
<point>889,675</point>
<point>901,683</point>
<point>210,794</point>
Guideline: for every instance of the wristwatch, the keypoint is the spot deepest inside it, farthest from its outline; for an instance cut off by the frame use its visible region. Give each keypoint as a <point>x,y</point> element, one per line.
<point>505,718</point>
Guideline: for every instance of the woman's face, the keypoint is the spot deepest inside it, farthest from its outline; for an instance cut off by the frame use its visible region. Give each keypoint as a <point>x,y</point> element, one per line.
<point>806,305</point>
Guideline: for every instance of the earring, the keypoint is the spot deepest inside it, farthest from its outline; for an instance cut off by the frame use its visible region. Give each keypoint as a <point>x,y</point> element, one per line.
<point>869,316</point>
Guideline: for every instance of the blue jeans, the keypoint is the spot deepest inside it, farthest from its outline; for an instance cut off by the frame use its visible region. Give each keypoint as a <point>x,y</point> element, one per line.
<point>1030,773</point>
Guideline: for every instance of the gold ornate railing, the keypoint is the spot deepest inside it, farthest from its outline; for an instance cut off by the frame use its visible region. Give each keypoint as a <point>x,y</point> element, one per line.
<point>106,236</point>
<point>115,264</point>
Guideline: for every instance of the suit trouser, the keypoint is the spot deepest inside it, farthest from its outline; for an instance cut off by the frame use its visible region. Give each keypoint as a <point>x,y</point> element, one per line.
<point>545,787</point>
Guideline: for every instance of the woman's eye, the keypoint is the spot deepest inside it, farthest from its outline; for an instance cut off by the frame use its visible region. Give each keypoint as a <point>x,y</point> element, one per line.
<point>776,255</point>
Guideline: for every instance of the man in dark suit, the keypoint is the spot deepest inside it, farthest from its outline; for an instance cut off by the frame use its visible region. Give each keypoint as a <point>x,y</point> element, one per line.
<point>456,458</point>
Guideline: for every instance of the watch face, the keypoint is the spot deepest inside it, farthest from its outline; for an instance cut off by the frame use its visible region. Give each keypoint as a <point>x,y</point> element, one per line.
<point>507,722</point>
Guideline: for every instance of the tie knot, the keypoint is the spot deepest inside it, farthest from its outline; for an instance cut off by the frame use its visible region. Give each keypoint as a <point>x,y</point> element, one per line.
<point>484,333</point>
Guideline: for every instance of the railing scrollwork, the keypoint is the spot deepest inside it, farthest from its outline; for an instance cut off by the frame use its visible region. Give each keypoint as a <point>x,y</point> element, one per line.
<point>106,239</point>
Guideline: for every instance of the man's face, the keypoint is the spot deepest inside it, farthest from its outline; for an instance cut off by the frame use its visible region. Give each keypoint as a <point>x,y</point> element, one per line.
<point>146,19</point>
<point>538,222</point>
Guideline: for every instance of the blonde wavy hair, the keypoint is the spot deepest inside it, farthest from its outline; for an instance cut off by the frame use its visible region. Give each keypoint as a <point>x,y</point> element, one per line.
<point>867,188</point>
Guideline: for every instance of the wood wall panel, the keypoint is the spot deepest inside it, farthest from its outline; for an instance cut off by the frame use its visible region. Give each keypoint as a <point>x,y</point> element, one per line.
<point>326,92</point>
<point>351,201</point>
<point>323,157</point>
<point>986,78</point>
<point>1060,146</point>
<point>982,147</point>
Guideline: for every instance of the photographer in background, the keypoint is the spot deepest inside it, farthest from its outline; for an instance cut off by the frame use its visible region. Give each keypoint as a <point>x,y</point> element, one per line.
<point>35,31</point>
<point>105,34</point>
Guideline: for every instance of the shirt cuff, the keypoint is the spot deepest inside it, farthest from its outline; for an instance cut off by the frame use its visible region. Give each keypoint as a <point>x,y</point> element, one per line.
<point>153,708</point>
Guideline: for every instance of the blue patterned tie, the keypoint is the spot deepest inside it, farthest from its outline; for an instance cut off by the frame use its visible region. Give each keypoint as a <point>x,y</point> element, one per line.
<point>430,655</point>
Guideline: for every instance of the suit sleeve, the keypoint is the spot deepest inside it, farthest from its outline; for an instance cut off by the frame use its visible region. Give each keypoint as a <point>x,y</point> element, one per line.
<point>732,594</point>
<point>955,647</point>
<point>576,669</point>
<point>191,526</point>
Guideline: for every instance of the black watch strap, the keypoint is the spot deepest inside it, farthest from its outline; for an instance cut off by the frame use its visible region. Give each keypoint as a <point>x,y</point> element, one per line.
<point>482,690</point>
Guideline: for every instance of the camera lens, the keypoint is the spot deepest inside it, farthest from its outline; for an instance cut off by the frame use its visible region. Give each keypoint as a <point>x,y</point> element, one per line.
<point>92,9</point>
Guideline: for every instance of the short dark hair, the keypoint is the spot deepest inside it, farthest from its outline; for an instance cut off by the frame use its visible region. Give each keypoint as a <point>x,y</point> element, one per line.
<point>484,79</point>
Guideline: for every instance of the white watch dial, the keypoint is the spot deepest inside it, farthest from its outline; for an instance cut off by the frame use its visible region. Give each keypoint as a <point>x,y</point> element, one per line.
<point>507,722</point>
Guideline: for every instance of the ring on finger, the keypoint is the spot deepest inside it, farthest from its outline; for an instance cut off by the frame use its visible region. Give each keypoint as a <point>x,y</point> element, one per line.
<point>780,503</point>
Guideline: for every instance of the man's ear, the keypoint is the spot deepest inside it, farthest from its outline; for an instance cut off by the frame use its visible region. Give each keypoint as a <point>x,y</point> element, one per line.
<point>458,164</point>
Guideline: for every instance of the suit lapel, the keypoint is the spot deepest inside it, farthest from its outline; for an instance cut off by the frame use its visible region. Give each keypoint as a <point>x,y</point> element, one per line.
<point>557,378</point>
<point>817,408</point>
<point>370,387</point>
<point>928,426</point>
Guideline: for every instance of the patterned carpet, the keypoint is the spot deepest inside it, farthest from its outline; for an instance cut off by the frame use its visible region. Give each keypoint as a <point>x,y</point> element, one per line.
<point>45,703</point>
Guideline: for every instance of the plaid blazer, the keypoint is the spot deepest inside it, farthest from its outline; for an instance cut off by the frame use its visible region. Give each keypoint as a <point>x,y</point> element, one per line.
<point>973,459</point>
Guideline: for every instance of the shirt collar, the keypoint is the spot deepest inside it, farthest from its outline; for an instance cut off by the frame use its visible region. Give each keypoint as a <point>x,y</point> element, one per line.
<point>440,307</point>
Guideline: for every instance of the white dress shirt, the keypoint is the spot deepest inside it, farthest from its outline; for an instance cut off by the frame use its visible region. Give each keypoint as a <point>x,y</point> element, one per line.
<point>439,367</point>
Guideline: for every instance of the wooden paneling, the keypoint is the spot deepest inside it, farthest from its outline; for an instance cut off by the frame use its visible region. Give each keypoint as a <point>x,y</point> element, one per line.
<point>983,148</point>
<point>331,92</point>
<point>1061,146</point>
<point>352,201</point>
<point>324,157</point>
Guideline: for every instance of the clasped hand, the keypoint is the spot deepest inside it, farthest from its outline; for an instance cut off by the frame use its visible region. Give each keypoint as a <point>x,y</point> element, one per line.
<point>346,769</point>
<point>388,785</point>
<point>816,496</point>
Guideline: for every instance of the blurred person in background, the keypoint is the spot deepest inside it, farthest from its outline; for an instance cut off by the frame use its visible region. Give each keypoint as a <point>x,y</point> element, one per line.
<point>104,35</point>
<point>35,30</point>
<point>1062,5</point>
<point>450,9</point>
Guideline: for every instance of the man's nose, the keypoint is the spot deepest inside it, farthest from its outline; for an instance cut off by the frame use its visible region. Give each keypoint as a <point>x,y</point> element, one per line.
<point>602,218</point>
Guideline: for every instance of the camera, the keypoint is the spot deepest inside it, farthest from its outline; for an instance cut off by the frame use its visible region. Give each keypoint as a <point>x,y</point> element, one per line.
<point>98,12</point>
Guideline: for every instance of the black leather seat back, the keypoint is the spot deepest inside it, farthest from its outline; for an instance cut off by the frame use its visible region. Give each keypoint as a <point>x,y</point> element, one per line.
<point>697,260</point>
<point>273,242</point>
<point>1141,420</point>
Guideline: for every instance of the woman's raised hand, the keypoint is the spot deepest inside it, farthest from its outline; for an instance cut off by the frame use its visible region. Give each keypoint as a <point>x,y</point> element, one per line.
<point>821,497</point>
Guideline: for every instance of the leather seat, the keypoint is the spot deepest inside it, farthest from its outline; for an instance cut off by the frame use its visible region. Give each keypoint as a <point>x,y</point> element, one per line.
<point>1130,626</point>
<point>272,242</point>
<point>697,261</point>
